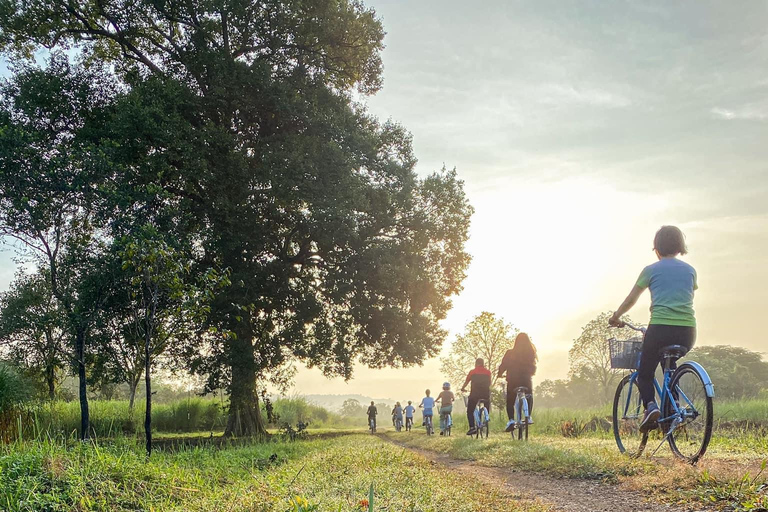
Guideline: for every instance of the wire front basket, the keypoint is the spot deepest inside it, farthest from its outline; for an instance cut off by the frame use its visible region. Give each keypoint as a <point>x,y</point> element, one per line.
<point>625,354</point>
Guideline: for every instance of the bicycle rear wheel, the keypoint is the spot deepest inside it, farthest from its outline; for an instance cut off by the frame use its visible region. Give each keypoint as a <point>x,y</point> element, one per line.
<point>689,440</point>
<point>627,415</point>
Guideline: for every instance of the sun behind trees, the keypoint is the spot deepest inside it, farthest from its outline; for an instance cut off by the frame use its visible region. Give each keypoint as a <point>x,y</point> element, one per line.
<point>230,129</point>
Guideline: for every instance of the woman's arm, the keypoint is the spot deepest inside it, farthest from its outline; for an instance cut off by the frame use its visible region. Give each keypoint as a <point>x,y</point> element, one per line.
<point>630,301</point>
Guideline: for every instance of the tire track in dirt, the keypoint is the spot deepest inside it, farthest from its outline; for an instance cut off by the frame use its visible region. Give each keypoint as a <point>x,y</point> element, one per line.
<point>563,494</point>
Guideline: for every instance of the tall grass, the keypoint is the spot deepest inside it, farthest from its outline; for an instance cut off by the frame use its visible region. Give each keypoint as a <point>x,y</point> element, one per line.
<point>110,418</point>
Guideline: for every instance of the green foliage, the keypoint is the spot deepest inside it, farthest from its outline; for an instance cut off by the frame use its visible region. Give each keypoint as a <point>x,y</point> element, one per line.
<point>236,135</point>
<point>14,392</point>
<point>14,389</point>
<point>32,328</point>
<point>737,372</point>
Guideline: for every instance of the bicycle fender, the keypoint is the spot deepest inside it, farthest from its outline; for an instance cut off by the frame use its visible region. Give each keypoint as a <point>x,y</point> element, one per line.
<point>708,385</point>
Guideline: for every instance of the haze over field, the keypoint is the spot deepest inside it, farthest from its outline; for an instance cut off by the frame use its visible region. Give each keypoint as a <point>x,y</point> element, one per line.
<point>579,129</point>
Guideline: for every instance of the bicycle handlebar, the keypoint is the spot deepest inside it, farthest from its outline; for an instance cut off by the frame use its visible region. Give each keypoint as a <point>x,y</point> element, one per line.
<point>638,329</point>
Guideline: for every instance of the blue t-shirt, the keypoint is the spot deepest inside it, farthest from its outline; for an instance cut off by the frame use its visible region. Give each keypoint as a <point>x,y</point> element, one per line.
<point>672,283</point>
<point>428,403</point>
<point>409,409</point>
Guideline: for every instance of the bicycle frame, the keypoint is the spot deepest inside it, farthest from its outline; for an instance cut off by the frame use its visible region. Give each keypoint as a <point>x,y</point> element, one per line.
<point>521,406</point>
<point>665,394</point>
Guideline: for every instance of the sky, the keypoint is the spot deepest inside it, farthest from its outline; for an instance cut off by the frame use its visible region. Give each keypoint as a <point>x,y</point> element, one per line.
<point>579,129</point>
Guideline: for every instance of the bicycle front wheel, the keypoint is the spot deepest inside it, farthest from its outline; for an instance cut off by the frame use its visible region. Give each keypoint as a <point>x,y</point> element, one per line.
<point>692,427</point>
<point>627,416</point>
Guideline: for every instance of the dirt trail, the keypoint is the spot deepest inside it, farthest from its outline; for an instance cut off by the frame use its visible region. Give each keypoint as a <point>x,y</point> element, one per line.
<point>566,494</point>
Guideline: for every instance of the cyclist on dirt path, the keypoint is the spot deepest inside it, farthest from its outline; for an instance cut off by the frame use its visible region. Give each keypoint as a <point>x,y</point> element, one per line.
<point>519,363</point>
<point>397,413</point>
<point>409,410</point>
<point>446,399</point>
<point>427,403</point>
<point>672,283</point>
<point>372,412</point>
<point>480,379</point>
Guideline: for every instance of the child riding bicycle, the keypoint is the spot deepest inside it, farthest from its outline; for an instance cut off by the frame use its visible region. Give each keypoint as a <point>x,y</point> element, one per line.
<point>672,283</point>
<point>446,399</point>
<point>409,410</point>
<point>519,363</point>
<point>427,404</point>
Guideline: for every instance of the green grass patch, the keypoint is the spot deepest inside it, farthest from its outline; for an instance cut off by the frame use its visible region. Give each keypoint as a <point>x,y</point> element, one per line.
<point>330,474</point>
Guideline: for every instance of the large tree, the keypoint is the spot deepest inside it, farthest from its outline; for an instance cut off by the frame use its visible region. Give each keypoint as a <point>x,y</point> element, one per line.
<point>486,336</point>
<point>337,250</point>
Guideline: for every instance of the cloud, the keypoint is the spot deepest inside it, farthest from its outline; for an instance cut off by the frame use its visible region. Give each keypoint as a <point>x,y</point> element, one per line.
<point>566,93</point>
<point>746,113</point>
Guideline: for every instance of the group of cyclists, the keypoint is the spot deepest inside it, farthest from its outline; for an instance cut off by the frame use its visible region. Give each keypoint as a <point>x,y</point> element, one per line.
<point>671,282</point>
<point>518,365</point>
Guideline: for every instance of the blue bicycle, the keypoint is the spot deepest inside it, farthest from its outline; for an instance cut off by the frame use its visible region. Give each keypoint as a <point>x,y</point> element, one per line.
<point>686,395</point>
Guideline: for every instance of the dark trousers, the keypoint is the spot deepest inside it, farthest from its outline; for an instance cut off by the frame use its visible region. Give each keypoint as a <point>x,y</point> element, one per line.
<point>512,396</point>
<point>472,403</point>
<point>656,338</point>
<point>374,421</point>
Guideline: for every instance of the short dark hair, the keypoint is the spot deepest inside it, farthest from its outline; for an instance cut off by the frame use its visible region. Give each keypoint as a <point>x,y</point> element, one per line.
<point>479,362</point>
<point>669,241</point>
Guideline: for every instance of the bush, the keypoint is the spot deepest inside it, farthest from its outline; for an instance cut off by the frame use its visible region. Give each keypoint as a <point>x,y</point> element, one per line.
<point>14,393</point>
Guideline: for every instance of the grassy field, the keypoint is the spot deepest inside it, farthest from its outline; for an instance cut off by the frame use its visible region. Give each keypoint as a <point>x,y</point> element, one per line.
<point>323,474</point>
<point>335,468</point>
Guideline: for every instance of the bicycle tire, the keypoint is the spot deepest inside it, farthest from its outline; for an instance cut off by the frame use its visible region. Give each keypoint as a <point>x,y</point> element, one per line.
<point>676,444</point>
<point>626,431</point>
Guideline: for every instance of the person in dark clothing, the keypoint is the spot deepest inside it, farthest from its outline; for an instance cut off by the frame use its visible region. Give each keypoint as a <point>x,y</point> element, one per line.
<point>480,380</point>
<point>519,363</point>
<point>372,412</point>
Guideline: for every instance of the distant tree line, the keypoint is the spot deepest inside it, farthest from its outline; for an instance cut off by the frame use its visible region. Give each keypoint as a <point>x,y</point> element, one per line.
<point>194,184</point>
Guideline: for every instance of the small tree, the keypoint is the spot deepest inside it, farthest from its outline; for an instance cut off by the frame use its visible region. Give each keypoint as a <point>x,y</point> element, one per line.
<point>351,408</point>
<point>168,306</point>
<point>590,356</point>
<point>32,328</point>
<point>485,336</point>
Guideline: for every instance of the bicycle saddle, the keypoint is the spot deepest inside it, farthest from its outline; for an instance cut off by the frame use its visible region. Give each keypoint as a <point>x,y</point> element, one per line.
<point>521,389</point>
<point>674,351</point>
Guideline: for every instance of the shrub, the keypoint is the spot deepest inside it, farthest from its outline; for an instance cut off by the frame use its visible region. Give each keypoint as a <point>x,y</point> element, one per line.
<point>14,392</point>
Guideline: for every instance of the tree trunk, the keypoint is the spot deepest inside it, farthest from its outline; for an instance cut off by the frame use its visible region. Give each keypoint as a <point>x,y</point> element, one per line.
<point>50,380</point>
<point>133,384</point>
<point>85,418</point>
<point>50,365</point>
<point>244,417</point>
<point>148,382</point>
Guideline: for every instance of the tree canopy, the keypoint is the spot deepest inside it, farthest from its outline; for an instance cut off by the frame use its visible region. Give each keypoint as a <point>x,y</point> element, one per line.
<point>232,128</point>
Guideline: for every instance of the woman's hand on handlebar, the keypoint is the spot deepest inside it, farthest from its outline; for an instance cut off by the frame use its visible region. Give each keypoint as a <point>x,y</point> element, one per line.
<point>615,321</point>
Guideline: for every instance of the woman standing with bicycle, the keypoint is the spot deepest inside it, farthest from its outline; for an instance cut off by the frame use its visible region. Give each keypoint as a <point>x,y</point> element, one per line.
<point>672,283</point>
<point>519,363</point>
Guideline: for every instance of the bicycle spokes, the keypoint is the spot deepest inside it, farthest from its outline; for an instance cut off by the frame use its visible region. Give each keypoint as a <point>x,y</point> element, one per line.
<point>691,410</point>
